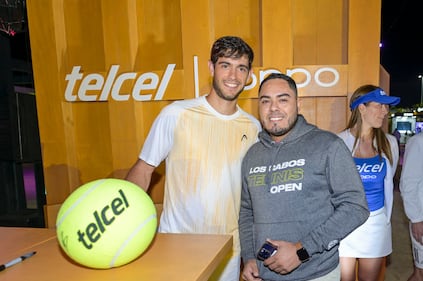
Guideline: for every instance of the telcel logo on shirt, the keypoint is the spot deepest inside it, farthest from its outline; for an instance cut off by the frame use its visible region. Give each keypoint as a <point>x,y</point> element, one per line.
<point>368,168</point>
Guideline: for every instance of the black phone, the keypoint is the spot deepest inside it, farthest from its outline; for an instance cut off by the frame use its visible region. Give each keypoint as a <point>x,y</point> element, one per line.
<point>266,251</point>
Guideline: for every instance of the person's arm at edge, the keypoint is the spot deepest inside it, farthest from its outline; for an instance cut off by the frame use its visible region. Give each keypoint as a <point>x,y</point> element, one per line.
<point>410,179</point>
<point>140,174</point>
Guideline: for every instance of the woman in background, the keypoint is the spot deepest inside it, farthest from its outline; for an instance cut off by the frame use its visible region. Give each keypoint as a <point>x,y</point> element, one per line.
<point>376,156</point>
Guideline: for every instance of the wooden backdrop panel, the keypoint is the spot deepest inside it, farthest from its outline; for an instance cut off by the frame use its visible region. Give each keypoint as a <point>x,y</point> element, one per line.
<point>86,140</point>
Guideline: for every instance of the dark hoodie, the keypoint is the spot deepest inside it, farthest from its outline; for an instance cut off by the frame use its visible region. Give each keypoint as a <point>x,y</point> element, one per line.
<point>305,188</point>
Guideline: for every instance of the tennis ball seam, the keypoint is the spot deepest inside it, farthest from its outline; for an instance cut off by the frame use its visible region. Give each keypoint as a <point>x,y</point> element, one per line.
<point>131,236</point>
<point>78,201</point>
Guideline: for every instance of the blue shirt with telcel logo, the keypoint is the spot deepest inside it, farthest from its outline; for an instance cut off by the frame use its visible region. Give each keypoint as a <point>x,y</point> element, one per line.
<point>372,172</point>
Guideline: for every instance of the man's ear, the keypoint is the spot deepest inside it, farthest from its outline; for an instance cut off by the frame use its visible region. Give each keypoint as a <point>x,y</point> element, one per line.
<point>211,67</point>
<point>250,74</point>
<point>298,104</point>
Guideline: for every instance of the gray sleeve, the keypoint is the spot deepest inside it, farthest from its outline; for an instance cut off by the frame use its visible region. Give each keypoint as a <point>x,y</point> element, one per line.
<point>347,197</point>
<point>246,223</point>
<point>411,185</point>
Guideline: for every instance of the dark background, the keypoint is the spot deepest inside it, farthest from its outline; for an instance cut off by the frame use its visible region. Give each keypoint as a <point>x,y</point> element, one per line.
<point>402,48</point>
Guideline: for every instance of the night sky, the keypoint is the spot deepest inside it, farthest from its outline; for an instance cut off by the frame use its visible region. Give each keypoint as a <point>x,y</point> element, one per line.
<point>402,48</point>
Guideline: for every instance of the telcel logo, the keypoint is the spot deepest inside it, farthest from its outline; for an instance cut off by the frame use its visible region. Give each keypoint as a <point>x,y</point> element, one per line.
<point>93,231</point>
<point>113,84</point>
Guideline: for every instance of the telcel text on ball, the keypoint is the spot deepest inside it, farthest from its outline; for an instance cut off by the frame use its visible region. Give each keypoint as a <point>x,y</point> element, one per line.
<point>106,217</point>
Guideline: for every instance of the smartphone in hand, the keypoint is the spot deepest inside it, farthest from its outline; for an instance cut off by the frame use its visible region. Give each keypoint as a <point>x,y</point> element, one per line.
<point>266,251</point>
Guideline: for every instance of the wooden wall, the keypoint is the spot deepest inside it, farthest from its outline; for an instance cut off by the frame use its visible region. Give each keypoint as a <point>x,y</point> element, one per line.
<point>97,136</point>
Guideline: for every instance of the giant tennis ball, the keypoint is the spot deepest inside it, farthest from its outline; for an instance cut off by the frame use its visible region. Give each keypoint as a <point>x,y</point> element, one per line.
<point>106,223</point>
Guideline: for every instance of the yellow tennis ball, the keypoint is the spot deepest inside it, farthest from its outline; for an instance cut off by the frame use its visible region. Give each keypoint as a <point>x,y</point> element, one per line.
<point>106,223</point>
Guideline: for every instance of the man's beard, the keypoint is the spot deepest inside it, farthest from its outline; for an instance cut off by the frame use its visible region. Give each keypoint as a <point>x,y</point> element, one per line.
<point>278,132</point>
<point>220,93</point>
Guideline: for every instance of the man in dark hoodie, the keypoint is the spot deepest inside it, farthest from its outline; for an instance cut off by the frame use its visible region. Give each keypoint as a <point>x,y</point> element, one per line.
<point>300,191</point>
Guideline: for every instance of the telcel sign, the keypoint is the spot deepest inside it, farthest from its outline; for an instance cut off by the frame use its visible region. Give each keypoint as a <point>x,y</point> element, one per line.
<point>93,87</point>
<point>112,84</point>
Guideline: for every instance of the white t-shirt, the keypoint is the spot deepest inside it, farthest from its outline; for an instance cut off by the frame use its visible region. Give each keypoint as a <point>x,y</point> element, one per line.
<point>203,151</point>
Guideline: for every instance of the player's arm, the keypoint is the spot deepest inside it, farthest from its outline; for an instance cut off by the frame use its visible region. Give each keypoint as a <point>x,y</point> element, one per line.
<point>140,174</point>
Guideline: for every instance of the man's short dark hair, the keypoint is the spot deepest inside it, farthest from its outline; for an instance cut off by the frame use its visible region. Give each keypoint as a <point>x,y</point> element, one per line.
<point>291,82</point>
<point>231,47</point>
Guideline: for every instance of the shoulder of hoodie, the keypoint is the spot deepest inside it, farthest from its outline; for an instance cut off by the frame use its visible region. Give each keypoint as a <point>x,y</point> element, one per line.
<point>318,135</point>
<point>304,127</point>
<point>324,135</point>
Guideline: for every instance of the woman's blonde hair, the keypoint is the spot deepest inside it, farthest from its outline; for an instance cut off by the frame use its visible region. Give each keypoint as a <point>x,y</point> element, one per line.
<point>382,143</point>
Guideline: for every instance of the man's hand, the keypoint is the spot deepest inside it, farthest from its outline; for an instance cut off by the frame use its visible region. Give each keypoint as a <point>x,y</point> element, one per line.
<point>250,271</point>
<point>285,260</point>
<point>417,231</point>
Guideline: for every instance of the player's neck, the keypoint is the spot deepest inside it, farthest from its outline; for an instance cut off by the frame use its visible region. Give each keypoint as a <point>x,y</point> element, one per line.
<point>222,106</point>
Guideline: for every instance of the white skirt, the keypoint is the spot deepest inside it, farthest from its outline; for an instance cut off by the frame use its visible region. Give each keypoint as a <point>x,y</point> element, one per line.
<point>373,239</point>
